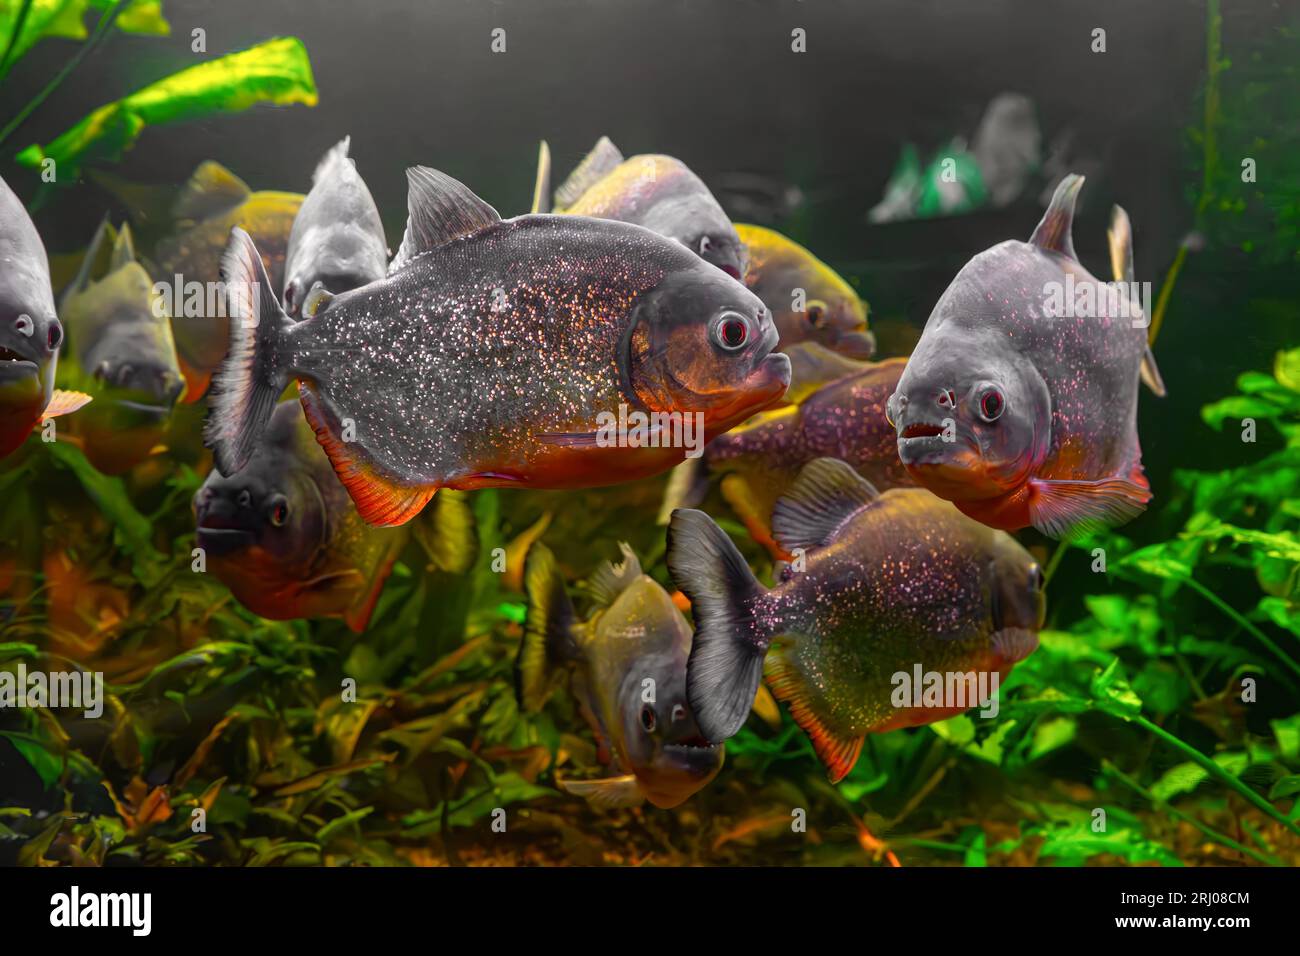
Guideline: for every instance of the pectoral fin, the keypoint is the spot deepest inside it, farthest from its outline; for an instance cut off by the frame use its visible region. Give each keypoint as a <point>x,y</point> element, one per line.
<point>608,794</point>
<point>63,402</point>
<point>1069,509</point>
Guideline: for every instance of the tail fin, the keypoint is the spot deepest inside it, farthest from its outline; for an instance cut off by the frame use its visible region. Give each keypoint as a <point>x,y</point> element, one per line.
<point>726,662</point>
<point>548,630</point>
<point>249,382</point>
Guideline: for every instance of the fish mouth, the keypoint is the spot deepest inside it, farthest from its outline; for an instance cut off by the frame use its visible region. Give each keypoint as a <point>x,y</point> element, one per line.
<point>695,755</point>
<point>858,344</point>
<point>221,541</point>
<point>731,271</point>
<point>920,430</point>
<point>156,412</point>
<point>15,365</point>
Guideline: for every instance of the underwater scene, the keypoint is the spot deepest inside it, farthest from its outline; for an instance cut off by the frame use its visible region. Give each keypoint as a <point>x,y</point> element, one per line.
<point>446,433</point>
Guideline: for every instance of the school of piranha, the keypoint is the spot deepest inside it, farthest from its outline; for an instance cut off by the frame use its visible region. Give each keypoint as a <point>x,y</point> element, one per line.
<point>353,394</point>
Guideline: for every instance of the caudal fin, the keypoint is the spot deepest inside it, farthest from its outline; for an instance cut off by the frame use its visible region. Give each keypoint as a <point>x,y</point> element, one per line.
<point>249,383</point>
<point>726,662</point>
<point>548,630</point>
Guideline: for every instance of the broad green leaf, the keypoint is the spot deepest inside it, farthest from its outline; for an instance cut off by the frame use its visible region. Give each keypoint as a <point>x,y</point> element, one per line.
<point>1113,693</point>
<point>277,71</point>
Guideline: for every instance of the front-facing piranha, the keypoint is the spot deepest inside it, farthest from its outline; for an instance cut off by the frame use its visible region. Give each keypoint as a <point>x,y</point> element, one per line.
<point>1019,407</point>
<point>495,353</point>
<point>627,667</point>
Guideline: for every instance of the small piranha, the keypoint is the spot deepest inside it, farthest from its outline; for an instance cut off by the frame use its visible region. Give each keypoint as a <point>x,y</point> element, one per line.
<point>627,669</point>
<point>337,238</point>
<point>120,335</point>
<point>1019,403</point>
<point>498,353</point>
<point>810,302</point>
<point>758,461</point>
<point>30,331</point>
<point>213,201</point>
<point>891,584</point>
<point>284,537</point>
<point>651,190</point>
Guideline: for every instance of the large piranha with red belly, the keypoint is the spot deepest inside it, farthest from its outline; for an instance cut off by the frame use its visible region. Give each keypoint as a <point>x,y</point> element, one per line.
<point>1020,412</point>
<point>496,354</point>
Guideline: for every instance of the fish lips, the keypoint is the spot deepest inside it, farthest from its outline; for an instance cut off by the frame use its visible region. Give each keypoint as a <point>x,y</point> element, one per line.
<point>681,771</point>
<point>222,541</point>
<point>857,344</point>
<point>15,367</point>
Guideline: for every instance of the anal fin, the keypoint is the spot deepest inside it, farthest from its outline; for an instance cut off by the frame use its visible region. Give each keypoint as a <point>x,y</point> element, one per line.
<point>379,501</point>
<point>837,751</point>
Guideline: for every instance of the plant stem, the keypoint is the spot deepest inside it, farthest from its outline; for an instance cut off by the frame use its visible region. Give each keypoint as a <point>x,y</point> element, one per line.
<point>1233,613</point>
<point>1215,771</point>
<point>1209,831</point>
<point>13,37</point>
<point>106,21</point>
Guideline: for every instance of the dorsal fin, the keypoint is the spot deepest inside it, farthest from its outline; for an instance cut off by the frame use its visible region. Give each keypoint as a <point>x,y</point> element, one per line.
<point>92,264</point>
<point>542,182</point>
<point>1120,236</point>
<point>439,209</point>
<point>1053,232</point>
<point>212,189</point>
<point>123,249</point>
<point>338,153</point>
<point>611,579</point>
<point>827,493</point>
<point>595,166</point>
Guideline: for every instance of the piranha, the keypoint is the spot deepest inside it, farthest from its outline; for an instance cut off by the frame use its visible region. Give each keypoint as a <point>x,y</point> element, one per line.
<point>889,581</point>
<point>810,302</point>
<point>284,537</point>
<point>30,332</point>
<point>213,202</point>
<point>1020,406</point>
<point>845,419</point>
<point>627,669</point>
<point>655,191</point>
<point>498,354</point>
<point>120,334</point>
<point>337,238</point>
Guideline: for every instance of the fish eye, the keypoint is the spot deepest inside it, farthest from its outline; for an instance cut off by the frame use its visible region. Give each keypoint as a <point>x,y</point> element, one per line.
<point>54,336</point>
<point>731,331</point>
<point>992,404</point>
<point>648,719</point>
<point>816,314</point>
<point>279,511</point>
<point>24,325</point>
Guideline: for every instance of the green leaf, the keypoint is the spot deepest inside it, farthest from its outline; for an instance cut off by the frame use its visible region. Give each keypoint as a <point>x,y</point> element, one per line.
<point>1052,734</point>
<point>1113,693</point>
<point>277,71</point>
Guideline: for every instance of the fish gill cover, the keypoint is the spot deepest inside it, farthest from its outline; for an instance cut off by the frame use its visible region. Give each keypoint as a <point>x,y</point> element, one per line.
<point>504,678</point>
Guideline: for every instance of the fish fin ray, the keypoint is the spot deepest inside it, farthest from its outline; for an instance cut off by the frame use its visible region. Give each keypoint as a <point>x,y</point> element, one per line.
<point>338,153</point>
<point>595,166</point>
<point>1150,373</point>
<point>548,641</point>
<point>611,580</point>
<point>379,500</point>
<point>1069,509</point>
<point>726,662</point>
<point>542,182</point>
<point>440,209</point>
<point>63,402</point>
<point>611,793</point>
<point>212,189</point>
<point>1054,231</point>
<point>248,385</point>
<point>838,752</point>
<point>827,493</point>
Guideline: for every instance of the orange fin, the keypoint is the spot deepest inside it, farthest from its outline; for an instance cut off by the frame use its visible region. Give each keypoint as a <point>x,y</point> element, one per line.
<point>196,381</point>
<point>739,493</point>
<point>378,500</point>
<point>357,617</point>
<point>1069,509</point>
<point>62,402</point>
<point>836,751</point>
